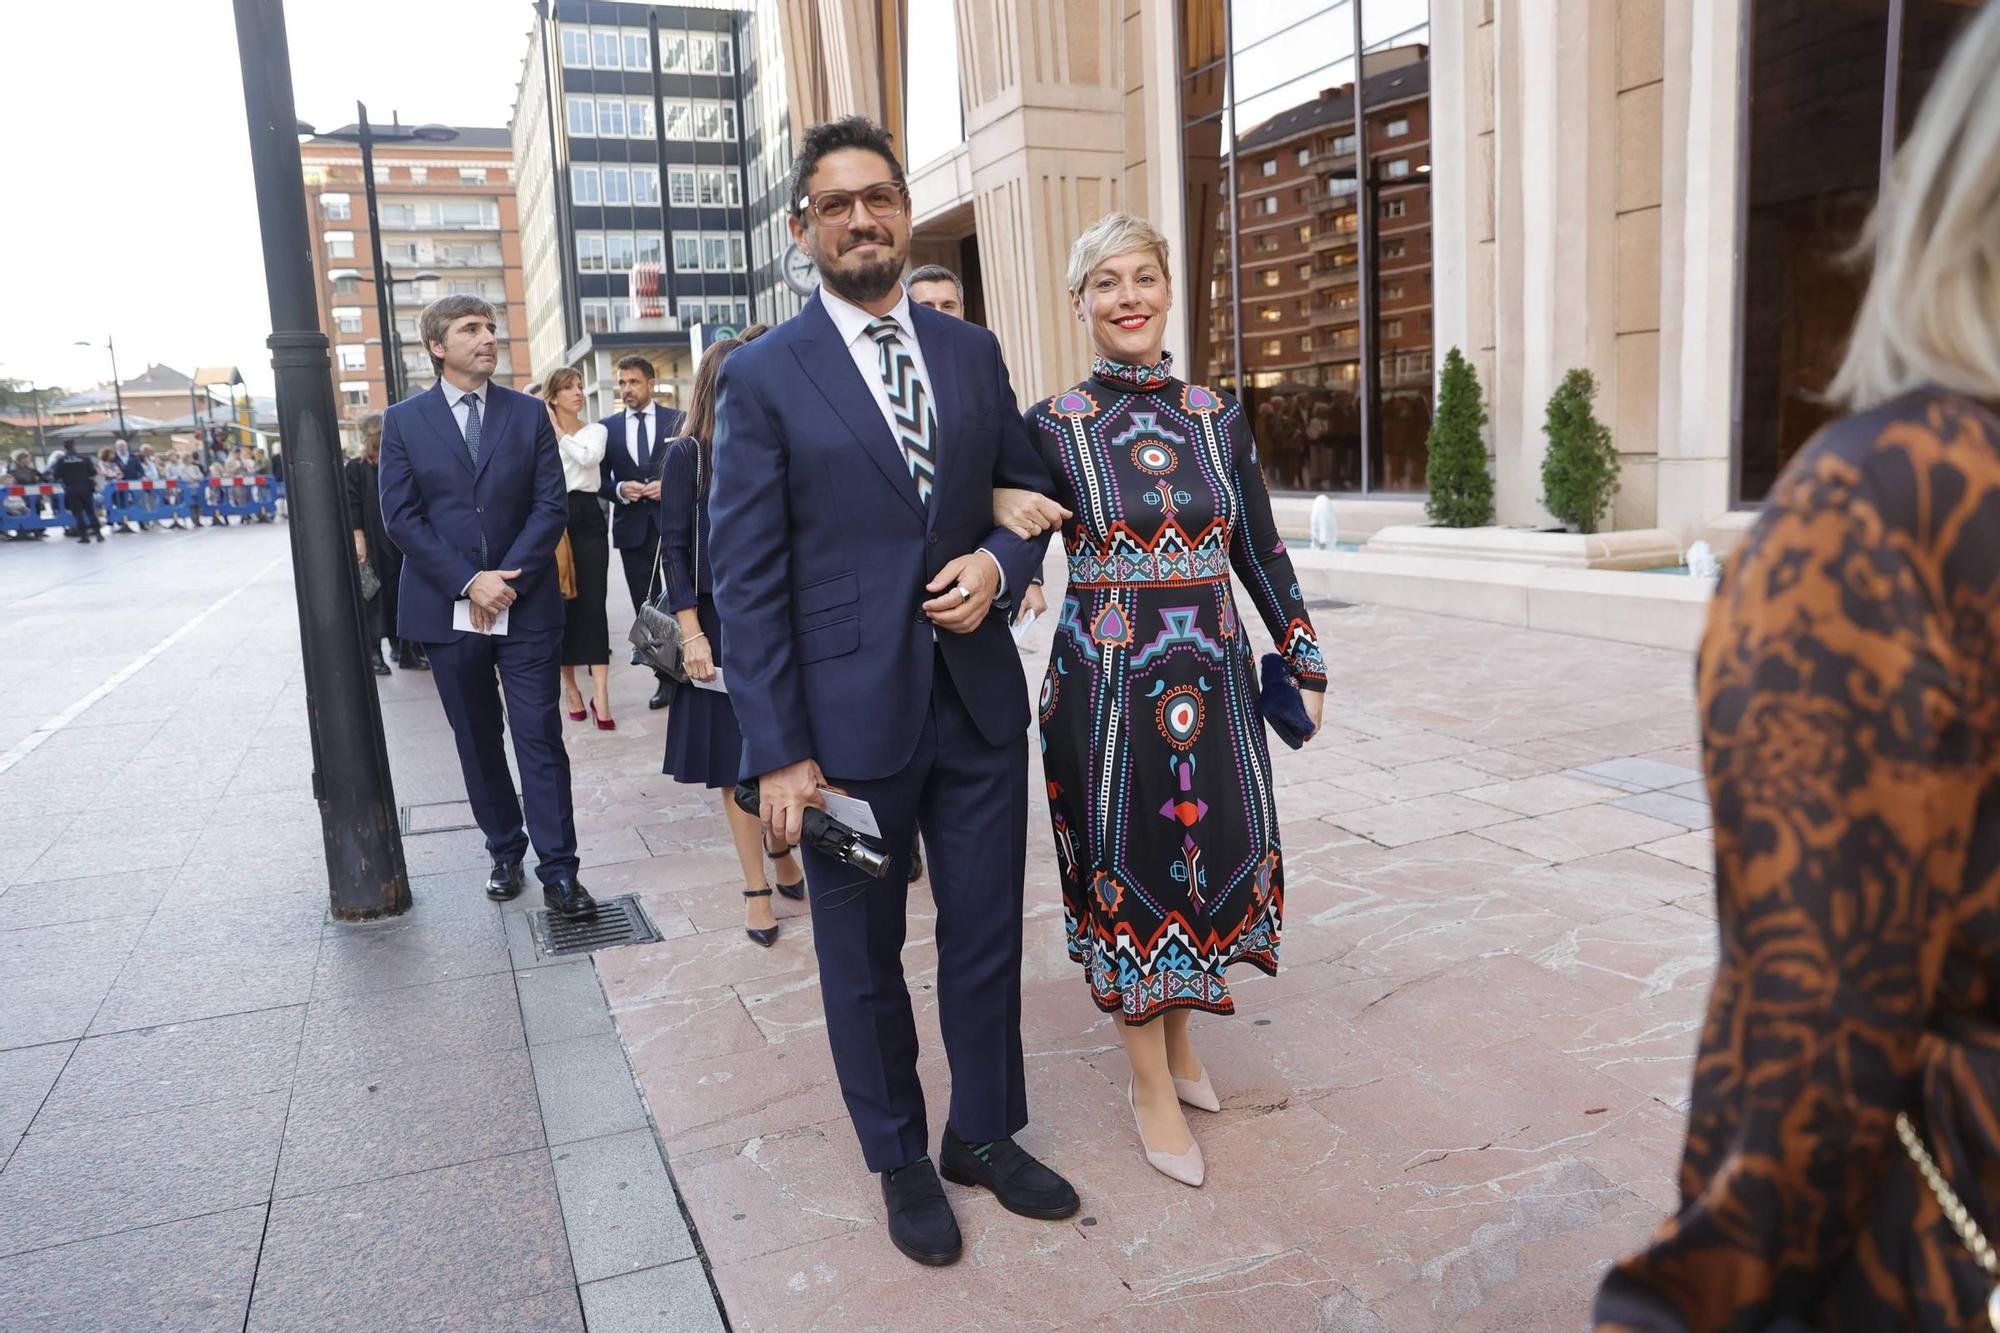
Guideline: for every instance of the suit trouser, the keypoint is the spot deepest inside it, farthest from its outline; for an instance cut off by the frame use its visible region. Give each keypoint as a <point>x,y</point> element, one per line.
<point>525,660</point>
<point>971,800</point>
<point>640,571</point>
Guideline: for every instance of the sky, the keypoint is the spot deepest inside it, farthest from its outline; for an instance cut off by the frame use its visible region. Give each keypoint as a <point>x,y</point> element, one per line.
<point>129,210</point>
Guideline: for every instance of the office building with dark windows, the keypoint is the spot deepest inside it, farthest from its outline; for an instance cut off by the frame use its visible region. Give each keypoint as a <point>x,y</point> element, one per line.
<point>643,178</point>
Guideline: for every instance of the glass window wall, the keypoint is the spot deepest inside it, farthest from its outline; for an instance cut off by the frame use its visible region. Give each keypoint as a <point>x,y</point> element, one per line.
<point>1281,269</point>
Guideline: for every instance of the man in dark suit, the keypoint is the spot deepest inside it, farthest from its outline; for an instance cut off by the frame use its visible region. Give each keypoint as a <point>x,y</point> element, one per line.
<point>472,494</point>
<point>857,447</point>
<point>635,438</point>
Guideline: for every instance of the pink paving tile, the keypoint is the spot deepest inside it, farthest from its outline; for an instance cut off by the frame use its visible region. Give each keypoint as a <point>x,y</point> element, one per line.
<point>695,1025</point>
<point>1407,747</point>
<point>1570,835</point>
<point>1636,956</point>
<point>1696,850</point>
<point>1544,795</point>
<point>700,961</point>
<point>777,1191</point>
<point>1420,820</point>
<point>1412,781</point>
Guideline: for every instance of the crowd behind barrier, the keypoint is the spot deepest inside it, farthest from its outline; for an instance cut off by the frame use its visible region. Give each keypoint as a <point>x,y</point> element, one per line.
<point>32,509</point>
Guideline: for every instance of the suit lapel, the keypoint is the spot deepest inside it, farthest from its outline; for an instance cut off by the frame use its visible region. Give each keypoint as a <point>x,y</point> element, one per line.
<point>826,362</point>
<point>941,374</point>
<point>489,429</point>
<point>435,411</point>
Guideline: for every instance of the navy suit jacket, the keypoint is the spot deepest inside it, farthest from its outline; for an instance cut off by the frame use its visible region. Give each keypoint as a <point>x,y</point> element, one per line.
<point>452,520</point>
<point>634,524</point>
<point>822,548</point>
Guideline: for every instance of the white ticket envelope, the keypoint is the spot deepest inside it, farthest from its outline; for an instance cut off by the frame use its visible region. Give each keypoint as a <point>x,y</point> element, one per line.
<point>461,618</point>
<point>855,814</point>
<point>715,684</point>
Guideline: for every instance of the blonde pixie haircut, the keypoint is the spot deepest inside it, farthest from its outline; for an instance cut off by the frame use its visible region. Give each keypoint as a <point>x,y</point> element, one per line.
<point>1932,311</point>
<point>1110,236</point>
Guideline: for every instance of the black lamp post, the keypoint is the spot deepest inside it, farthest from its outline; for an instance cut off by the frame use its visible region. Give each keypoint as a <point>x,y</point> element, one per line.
<point>110,344</point>
<point>366,875</point>
<point>368,136</point>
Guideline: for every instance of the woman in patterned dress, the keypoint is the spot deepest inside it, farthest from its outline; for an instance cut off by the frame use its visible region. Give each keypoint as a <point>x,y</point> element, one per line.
<point>1159,783</point>
<point>1850,708</point>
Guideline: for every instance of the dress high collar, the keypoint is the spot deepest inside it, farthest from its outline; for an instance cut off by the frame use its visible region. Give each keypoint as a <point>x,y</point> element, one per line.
<point>1119,375</point>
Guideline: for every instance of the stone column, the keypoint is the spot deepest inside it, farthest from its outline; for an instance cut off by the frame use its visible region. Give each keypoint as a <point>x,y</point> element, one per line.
<point>1045,96</point>
<point>1698,272</point>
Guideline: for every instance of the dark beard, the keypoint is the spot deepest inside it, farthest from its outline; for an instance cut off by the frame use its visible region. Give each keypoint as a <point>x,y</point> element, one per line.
<point>865,282</point>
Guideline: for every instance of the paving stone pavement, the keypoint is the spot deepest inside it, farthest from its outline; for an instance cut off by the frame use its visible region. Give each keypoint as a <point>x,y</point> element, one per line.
<point>219,1110</point>
<point>1462,1096</point>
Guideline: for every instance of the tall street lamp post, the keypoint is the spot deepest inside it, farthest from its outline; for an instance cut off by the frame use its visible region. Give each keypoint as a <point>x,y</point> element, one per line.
<point>366,875</point>
<point>110,344</point>
<point>368,136</point>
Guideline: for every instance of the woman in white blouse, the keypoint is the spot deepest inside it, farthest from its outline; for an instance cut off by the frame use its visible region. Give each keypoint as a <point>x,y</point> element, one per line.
<point>586,633</point>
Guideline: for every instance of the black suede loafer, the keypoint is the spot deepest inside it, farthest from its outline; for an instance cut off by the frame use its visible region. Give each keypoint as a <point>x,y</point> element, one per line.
<point>1022,1184</point>
<point>920,1220</point>
<point>504,881</point>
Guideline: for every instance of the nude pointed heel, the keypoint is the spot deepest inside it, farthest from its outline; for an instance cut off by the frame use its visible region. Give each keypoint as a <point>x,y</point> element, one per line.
<point>1186,1167</point>
<point>1198,1093</point>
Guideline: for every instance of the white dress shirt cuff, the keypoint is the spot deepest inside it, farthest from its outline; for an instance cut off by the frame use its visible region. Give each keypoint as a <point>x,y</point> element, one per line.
<point>1001,570</point>
<point>466,591</point>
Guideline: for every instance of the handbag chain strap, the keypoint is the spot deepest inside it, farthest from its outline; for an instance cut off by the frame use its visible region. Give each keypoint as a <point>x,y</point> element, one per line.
<point>1955,1211</point>
<point>659,544</point>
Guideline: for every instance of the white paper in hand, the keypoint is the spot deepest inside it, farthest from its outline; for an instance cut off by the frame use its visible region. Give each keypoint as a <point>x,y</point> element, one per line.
<point>1024,624</point>
<point>857,815</point>
<point>715,684</point>
<point>461,618</point>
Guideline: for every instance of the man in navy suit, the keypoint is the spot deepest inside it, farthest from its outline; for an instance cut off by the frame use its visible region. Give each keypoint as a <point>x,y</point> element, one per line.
<point>473,495</point>
<point>857,448</point>
<point>636,438</point>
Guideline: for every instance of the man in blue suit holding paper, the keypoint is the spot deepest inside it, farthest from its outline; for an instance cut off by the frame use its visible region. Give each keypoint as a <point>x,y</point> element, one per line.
<point>857,448</point>
<point>473,495</point>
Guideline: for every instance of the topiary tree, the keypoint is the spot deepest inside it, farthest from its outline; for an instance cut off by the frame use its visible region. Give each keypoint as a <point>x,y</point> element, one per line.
<point>1580,469</point>
<point>1461,488</point>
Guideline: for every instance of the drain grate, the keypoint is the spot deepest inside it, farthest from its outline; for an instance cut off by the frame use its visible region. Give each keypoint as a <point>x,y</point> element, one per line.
<point>437,817</point>
<point>618,921</point>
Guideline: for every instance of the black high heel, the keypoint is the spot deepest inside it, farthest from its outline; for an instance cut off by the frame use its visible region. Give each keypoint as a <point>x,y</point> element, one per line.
<point>764,937</point>
<point>796,890</point>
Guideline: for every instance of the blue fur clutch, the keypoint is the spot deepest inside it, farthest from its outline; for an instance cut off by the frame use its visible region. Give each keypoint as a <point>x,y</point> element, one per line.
<point>1282,704</point>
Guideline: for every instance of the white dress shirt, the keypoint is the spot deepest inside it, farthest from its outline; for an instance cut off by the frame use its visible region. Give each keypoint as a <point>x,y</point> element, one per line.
<point>456,397</point>
<point>653,443</point>
<point>853,322</point>
<point>581,454</point>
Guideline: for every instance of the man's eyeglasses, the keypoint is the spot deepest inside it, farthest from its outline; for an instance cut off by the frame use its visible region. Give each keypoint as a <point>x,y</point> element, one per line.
<point>834,208</point>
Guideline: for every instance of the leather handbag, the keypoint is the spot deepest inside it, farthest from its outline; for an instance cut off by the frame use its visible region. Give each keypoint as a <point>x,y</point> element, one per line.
<point>566,567</point>
<point>656,632</point>
<point>371,582</point>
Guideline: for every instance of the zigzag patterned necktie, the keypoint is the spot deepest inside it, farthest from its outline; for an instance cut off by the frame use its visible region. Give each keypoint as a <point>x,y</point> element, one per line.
<point>910,400</point>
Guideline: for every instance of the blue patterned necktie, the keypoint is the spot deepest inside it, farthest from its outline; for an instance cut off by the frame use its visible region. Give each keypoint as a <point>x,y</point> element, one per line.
<point>910,400</point>
<point>471,402</point>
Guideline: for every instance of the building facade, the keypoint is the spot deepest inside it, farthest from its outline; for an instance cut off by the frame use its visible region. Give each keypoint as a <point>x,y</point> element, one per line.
<point>448,220</point>
<point>644,143</point>
<point>1543,184</point>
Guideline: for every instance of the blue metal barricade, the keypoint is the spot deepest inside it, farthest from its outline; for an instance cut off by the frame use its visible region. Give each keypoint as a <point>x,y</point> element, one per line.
<point>32,508</point>
<point>143,501</point>
<point>241,496</point>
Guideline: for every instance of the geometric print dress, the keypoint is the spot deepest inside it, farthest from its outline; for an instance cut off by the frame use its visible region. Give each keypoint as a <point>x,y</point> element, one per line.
<point>1159,783</point>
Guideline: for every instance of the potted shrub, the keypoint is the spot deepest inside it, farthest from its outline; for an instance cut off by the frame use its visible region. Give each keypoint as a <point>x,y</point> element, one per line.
<point>1580,469</point>
<point>1461,487</point>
